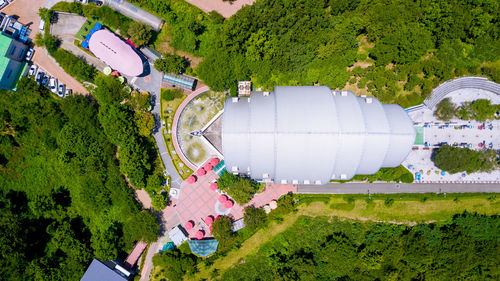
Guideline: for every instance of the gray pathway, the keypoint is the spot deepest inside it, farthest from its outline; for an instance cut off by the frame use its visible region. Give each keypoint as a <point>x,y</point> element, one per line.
<point>153,86</point>
<point>363,188</point>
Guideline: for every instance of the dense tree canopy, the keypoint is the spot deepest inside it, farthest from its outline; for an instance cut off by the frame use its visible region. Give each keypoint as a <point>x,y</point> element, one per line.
<point>171,63</point>
<point>456,159</point>
<point>324,248</point>
<point>445,110</point>
<point>140,33</point>
<point>62,198</point>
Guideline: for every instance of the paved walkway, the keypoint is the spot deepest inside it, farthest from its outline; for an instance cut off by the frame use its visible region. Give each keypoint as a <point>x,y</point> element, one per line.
<point>176,120</point>
<point>363,188</point>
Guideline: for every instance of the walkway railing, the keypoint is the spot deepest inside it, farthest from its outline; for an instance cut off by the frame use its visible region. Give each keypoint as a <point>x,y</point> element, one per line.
<point>447,87</point>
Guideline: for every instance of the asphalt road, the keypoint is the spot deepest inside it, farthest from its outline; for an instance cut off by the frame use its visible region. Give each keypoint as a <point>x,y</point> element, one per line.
<point>363,188</point>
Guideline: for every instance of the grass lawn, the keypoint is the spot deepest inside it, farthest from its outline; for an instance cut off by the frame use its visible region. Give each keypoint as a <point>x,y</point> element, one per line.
<point>82,32</point>
<point>410,209</point>
<point>168,109</point>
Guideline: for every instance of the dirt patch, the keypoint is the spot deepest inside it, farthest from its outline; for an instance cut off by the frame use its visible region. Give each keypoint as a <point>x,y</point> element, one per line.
<point>164,47</point>
<point>226,9</point>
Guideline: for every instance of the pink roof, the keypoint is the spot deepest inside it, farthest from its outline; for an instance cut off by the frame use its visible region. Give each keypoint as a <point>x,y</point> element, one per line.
<point>208,167</point>
<point>191,179</point>
<point>113,51</point>
<point>199,234</point>
<point>209,220</point>
<point>188,225</point>
<point>228,204</point>
<point>222,198</point>
<point>214,161</point>
<point>213,186</point>
<point>201,172</point>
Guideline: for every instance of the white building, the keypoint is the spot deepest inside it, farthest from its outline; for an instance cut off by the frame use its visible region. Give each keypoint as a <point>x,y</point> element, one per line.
<point>310,135</point>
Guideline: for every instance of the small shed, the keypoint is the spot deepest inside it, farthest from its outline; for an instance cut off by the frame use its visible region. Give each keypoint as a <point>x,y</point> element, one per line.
<point>177,235</point>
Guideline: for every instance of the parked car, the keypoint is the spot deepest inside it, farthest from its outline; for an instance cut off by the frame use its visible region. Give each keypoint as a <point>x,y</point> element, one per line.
<point>53,85</point>
<point>45,80</point>
<point>33,69</point>
<point>68,92</point>
<point>41,26</point>
<point>98,3</point>
<point>61,90</point>
<point>3,3</point>
<point>29,54</point>
<point>39,77</point>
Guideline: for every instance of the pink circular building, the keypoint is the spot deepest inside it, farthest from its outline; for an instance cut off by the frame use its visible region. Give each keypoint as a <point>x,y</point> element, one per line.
<point>113,51</point>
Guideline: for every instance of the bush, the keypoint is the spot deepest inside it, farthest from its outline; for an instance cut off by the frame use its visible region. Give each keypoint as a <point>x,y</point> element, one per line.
<point>254,217</point>
<point>171,63</point>
<point>241,189</point>
<point>222,230</point>
<point>140,33</point>
<point>445,110</point>
<point>175,264</point>
<point>72,64</point>
<point>169,95</point>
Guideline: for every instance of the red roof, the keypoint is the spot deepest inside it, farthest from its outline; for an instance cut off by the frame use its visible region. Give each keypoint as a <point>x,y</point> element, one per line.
<point>222,198</point>
<point>214,161</point>
<point>201,172</point>
<point>213,186</point>
<point>208,167</point>
<point>209,220</point>
<point>199,234</point>
<point>191,179</point>
<point>228,204</point>
<point>188,225</point>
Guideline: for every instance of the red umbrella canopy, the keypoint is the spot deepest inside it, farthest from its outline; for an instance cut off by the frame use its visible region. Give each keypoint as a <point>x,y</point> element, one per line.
<point>214,161</point>
<point>209,220</point>
<point>217,217</point>
<point>210,228</point>
<point>199,234</point>
<point>213,186</point>
<point>201,172</point>
<point>188,225</point>
<point>191,179</point>
<point>228,204</point>
<point>208,167</point>
<point>222,198</point>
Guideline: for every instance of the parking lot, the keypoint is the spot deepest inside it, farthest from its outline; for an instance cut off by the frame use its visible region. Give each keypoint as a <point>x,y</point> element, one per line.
<point>42,77</point>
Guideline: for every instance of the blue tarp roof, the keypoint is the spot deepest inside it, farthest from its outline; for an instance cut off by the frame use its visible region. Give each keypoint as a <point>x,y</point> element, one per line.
<point>97,26</point>
<point>203,247</point>
<point>88,37</point>
<point>85,44</point>
<point>92,31</point>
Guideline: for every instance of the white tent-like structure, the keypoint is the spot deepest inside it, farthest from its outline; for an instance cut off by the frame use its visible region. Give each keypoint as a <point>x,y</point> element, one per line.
<point>310,135</point>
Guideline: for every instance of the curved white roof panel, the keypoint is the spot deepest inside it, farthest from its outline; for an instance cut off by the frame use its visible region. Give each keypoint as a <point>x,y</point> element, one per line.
<point>112,50</point>
<point>312,135</point>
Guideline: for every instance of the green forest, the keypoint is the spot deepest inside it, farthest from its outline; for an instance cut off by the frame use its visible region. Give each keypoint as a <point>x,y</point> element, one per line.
<point>63,200</point>
<point>325,248</point>
<point>396,50</point>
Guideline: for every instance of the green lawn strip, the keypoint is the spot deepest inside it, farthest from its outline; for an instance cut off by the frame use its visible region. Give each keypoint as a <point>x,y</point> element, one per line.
<point>402,208</point>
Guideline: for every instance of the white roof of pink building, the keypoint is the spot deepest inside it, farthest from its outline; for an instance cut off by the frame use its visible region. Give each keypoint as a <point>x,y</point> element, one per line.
<point>115,52</point>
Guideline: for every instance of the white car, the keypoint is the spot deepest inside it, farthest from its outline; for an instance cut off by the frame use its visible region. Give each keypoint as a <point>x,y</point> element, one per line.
<point>53,85</point>
<point>29,54</point>
<point>3,3</point>
<point>60,92</point>
<point>42,25</point>
<point>33,69</point>
<point>68,92</point>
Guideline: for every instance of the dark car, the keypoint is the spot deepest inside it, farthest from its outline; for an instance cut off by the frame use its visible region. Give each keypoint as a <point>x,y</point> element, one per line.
<point>45,80</point>
<point>98,3</point>
<point>39,77</point>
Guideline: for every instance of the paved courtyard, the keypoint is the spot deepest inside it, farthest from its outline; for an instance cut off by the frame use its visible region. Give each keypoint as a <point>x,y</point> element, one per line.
<point>197,201</point>
<point>472,134</point>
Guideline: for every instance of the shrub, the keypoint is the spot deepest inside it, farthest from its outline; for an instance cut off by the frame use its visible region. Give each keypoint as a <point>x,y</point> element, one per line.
<point>222,230</point>
<point>171,63</point>
<point>254,217</point>
<point>455,159</point>
<point>445,110</point>
<point>241,189</point>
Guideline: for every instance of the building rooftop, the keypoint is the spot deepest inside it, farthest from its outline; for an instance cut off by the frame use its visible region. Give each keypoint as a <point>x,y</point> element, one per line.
<point>98,271</point>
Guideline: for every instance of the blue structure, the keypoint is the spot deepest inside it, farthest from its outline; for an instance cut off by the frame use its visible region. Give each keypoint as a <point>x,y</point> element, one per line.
<point>203,248</point>
<point>85,44</point>
<point>97,26</point>
<point>181,81</point>
<point>92,31</point>
<point>88,37</point>
<point>105,271</point>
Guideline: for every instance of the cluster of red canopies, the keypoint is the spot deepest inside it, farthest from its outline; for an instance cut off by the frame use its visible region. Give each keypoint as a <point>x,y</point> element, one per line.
<point>201,233</point>
<point>203,170</point>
